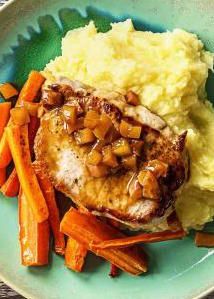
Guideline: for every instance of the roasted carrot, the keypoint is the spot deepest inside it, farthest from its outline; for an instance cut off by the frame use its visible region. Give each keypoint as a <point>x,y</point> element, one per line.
<point>11,186</point>
<point>75,254</point>
<point>204,239</point>
<point>33,127</point>
<point>31,87</point>
<point>5,115</point>
<point>87,229</point>
<point>8,91</point>
<point>2,176</point>
<point>17,137</point>
<point>113,271</point>
<point>28,93</point>
<point>34,237</point>
<point>54,220</point>
<point>141,238</point>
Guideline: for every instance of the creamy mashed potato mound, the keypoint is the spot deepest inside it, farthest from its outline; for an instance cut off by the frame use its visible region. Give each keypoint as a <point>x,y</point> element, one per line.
<point>168,71</point>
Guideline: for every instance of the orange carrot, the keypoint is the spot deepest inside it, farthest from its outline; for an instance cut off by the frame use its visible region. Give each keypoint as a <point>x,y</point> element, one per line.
<point>75,254</point>
<point>141,238</point>
<point>17,137</point>
<point>54,220</point>
<point>28,93</point>
<point>113,271</point>
<point>5,115</point>
<point>8,91</point>
<point>203,239</point>
<point>11,186</point>
<point>87,229</point>
<point>34,237</point>
<point>2,176</point>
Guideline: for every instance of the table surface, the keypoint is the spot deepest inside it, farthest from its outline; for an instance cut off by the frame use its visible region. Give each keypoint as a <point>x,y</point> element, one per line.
<point>7,292</point>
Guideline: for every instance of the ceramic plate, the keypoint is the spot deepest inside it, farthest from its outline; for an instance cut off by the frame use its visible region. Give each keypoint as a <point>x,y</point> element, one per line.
<point>30,34</point>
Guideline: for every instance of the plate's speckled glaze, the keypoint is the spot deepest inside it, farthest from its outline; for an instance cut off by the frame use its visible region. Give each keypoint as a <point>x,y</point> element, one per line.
<point>30,33</point>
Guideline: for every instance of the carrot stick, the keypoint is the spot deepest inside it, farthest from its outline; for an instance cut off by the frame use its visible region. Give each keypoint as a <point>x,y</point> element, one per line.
<point>28,93</point>
<point>87,229</point>
<point>113,271</point>
<point>141,238</point>
<point>17,137</point>
<point>5,115</point>
<point>204,239</point>
<point>33,236</point>
<point>2,176</point>
<point>8,91</point>
<point>54,220</point>
<point>11,186</point>
<point>75,254</point>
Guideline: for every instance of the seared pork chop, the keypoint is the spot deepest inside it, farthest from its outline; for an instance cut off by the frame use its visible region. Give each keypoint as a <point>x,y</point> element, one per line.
<point>120,161</point>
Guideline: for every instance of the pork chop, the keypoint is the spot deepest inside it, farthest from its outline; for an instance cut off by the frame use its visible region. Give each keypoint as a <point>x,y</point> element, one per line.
<point>137,187</point>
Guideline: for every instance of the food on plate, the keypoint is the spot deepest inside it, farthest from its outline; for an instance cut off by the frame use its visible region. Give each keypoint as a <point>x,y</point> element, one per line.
<point>127,137</point>
<point>168,72</point>
<point>141,192</point>
<point>34,237</point>
<point>203,239</point>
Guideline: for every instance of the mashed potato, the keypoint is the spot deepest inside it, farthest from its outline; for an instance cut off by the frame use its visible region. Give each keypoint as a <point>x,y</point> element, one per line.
<point>168,71</point>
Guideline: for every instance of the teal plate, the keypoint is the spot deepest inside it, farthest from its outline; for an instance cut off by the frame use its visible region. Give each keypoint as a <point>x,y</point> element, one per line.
<point>30,33</point>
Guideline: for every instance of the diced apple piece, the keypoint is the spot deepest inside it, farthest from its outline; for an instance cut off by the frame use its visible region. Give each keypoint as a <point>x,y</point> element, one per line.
<point>102,127</point>
<point>91,119</point>
<point>132,98</point>
<point>129,131</point>
<point>94,157</point>
<point>70,114</point>
<point>121,147</point>
<point>150,184</point>
<point>20,116</point>
<point>130,162</point>
<point>109,157</point>
<point>98,171</point>
<point>158,168</point>
<point>84,136</point>
<point>137,147</point>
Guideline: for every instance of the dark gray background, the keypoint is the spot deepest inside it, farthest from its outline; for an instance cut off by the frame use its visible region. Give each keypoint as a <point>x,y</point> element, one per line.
<point>5,291</point>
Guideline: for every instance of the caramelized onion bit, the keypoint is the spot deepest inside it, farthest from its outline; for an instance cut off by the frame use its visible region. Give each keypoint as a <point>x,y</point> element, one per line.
<point>129,131</point>
<point>130,162</point>
<point>20,116</point>
<point>150,184</point>
<point>158,168</point>
<point>121,147</point>
<point>102,127</point>
<point>132,98</point>
<point>84,136</point>
<point>98,171</point>
<point>94,157</point>
<point>109,157</point>
<point>91,119</point>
